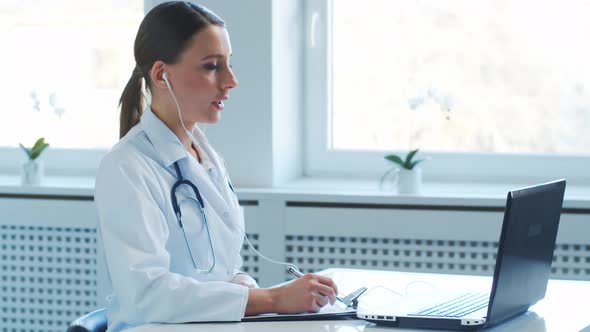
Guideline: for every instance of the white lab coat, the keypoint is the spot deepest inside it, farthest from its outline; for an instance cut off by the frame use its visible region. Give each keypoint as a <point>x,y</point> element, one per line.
<point>149,268</point>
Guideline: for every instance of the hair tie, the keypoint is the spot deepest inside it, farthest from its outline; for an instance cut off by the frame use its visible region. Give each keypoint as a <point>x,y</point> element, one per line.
<point>137,71</point>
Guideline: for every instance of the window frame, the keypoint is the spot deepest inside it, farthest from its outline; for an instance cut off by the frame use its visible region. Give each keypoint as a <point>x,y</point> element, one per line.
<point>322,161</point>
<point>56,161</point>
<point>61,161</point>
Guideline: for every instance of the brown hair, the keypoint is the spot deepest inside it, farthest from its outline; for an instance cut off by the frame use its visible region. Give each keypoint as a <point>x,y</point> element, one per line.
<point>163,35</point>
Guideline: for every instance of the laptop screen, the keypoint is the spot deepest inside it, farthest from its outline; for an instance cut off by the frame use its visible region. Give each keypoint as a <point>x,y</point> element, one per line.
<point>526,247</point>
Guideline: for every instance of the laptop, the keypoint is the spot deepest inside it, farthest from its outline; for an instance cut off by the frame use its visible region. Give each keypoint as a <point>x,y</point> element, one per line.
<point>523,265</point>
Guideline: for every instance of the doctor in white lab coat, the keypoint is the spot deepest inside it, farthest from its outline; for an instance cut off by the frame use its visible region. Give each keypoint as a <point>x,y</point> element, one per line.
<point>182,53</point>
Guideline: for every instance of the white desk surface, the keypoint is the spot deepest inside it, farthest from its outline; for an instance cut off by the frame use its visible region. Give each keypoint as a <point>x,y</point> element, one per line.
<point>564,308</point>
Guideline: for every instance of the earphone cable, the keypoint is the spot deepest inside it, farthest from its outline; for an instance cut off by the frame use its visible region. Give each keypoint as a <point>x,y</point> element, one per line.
<point>266,258</point>
<point>178,108</point>
<point>195,141</point>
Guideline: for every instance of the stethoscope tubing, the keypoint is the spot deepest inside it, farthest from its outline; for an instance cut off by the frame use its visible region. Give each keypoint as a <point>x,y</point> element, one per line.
<point>201,205</point>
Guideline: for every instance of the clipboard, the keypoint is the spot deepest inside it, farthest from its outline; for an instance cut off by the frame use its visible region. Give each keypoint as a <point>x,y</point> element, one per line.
<point>338,310</point>
<point>328,312</point>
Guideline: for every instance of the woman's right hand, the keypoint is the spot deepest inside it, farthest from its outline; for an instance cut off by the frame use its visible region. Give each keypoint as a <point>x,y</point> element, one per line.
<point>306,294</point>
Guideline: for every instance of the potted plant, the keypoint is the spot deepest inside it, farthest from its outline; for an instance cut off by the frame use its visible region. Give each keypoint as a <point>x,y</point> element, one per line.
<point>406,173</point>
<point>32,169</point>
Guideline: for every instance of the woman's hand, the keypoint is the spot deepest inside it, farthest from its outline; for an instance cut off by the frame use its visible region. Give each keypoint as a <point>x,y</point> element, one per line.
<point>244,280</point>
<point>307,294</point>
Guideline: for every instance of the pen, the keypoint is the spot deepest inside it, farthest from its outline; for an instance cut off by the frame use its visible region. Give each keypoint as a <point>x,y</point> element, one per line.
<point>294,271</point>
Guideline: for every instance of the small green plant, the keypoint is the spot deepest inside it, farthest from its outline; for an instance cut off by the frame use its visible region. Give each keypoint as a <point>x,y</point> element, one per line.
<point>34,152</point>
<point>445,102</point>
<point>408,163</point>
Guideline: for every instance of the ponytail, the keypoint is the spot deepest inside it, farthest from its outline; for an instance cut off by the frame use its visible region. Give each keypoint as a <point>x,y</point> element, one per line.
<point>164,33</point>
<point>131,103</point>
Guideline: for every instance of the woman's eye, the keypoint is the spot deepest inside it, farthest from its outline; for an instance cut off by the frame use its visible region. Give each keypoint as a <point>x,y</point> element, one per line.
<point>210,66</point>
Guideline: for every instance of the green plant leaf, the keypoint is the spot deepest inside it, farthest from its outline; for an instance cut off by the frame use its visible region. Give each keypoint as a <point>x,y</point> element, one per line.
<point>409,157</point>
<point>37,151</point>
<point>38,148</point>
<point>415,162</point>
<point>27,151</point>
<point>39,142</point>
<point>395,159</point>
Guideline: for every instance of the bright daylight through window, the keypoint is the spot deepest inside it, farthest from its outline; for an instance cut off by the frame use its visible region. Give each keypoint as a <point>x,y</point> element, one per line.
<point>65,64</point>
<point>515,75</point>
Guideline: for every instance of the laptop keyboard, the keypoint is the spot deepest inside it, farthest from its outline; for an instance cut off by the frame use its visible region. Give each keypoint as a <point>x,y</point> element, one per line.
<point>458,307</point>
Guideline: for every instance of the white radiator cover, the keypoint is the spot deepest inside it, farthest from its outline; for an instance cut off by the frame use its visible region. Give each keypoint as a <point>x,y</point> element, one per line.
<point>313,253</point>
<point>47,276</point>
<point>49,273</point>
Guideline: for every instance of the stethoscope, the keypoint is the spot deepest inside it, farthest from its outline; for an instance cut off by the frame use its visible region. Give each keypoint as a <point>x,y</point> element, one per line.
<point>200,202</point>
<point>201,205</point>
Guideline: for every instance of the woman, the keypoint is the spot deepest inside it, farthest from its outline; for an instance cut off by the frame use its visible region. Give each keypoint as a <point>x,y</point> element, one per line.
<point>158,270</point>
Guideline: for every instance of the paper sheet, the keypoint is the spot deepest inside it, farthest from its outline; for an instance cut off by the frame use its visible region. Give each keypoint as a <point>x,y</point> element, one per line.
<point>328,311</point>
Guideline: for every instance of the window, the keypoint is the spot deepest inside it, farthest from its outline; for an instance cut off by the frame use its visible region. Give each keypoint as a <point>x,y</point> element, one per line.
<point>514,75</point>
<point>65,65</point>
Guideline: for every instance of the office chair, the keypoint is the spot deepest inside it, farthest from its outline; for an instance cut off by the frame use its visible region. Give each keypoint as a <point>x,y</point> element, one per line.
<point>95,321</point>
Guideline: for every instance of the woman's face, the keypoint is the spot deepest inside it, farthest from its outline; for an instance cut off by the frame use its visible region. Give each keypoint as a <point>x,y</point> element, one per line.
<point>202,77</point>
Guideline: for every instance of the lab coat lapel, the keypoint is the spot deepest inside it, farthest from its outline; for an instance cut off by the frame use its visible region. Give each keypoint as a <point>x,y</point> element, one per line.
<point>203,143</point>
<point>195,173</point>
<point>170,150</point>
<point>223,186</point>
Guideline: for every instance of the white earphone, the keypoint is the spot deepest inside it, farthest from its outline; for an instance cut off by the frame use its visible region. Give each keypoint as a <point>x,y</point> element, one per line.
<point>165,77</point>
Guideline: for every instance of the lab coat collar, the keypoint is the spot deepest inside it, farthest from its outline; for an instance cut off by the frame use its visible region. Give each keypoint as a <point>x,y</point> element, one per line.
<point>164,140</point>
<point>171,150</point>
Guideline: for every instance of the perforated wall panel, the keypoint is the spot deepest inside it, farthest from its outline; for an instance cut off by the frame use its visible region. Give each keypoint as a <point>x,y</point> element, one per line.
<point>312,253</point>
<point>571,261</point>
<point>47,276</point>
<point>250,259</point>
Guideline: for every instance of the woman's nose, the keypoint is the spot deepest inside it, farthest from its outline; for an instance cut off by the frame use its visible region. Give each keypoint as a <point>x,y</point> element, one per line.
<point>231,81</point>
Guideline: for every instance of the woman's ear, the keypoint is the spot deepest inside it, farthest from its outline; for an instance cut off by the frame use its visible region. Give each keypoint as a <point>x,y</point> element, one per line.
<point>157,74</point>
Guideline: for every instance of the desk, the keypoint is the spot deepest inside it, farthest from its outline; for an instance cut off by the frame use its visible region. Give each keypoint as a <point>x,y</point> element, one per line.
<point>563,309</point>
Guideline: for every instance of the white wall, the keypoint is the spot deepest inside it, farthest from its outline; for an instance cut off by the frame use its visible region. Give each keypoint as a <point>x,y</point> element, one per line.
<point>259,135</point>
<point>287,91</point>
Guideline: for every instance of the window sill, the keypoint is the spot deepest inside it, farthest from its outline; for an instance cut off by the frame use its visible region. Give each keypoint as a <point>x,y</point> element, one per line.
<point>433,193</point>
<point>325,190</point>
<point>50,186</point>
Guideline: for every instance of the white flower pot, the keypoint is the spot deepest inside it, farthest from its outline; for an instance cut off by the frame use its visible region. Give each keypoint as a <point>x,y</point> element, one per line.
<point>407,182</point>
<point>410,181</point>
<point>32,173</point>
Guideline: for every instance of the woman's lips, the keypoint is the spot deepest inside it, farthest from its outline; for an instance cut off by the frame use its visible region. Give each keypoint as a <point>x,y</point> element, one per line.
<point>218,105</point>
